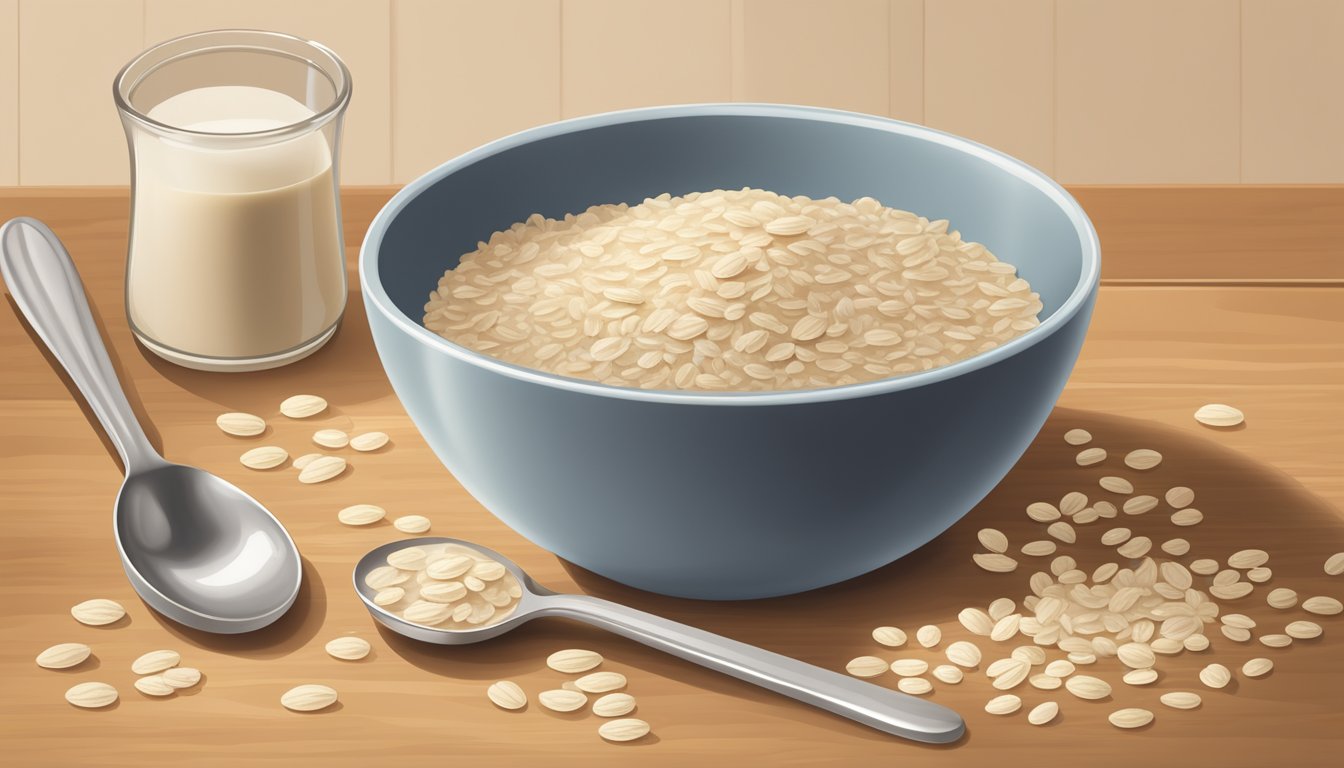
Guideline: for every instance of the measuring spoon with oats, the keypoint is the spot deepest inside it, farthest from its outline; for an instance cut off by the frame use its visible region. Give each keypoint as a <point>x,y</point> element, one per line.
<point>452,592</point>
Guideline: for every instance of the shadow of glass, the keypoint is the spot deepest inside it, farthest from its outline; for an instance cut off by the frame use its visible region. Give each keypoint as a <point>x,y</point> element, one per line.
<point>352,341</point>
<point>288,634</point>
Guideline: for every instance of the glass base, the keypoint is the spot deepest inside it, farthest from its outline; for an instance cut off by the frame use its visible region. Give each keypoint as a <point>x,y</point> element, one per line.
<point>236,364</point>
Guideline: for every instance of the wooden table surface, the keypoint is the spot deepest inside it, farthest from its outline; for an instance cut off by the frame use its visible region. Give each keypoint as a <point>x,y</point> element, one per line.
<point>1155,353</point>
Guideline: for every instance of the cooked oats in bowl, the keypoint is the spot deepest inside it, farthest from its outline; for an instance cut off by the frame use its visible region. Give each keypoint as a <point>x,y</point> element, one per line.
<point>743,290</point>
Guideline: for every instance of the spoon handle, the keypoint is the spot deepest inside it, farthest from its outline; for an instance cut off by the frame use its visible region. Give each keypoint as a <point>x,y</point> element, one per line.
<point>886,710</point>
<point>47,289</point>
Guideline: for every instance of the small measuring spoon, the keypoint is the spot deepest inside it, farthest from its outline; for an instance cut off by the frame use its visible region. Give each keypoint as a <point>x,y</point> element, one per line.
<point>886,710</point>
<point>196,548</point>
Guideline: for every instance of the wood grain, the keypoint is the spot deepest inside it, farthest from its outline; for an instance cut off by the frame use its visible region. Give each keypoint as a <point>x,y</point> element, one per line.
<point>1154,354</point>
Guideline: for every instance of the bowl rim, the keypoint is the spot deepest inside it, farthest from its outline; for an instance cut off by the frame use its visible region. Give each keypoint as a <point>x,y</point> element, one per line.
<point>1088,279</point>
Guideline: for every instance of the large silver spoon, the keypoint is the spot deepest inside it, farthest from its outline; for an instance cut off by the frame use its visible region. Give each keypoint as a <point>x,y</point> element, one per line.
<point>196,548</point>
<point>881,708</point>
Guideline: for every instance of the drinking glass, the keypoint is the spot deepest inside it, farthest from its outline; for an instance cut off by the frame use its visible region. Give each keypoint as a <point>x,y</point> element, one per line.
<point>236,260</point>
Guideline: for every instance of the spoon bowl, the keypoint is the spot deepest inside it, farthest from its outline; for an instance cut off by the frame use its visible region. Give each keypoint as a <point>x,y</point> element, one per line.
<point>527,604</point>
<point>208,553</point>
<point>880,708</point>
<point>196,548</point>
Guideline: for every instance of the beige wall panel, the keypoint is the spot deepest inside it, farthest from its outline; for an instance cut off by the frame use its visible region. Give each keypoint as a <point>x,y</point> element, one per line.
<point>617,54</point>
<point>818,52</point>
<point>1147,91</point>
<point>1292,92</point>
<point>468,72</point>
<point>989,74</point>
<point>357,30</point>
<point>69,51</point>
<point>907,75</point>
<point>9,92</point>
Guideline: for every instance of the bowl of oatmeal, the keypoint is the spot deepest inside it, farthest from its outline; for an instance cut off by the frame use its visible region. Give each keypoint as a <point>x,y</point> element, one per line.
<point>730,351</point>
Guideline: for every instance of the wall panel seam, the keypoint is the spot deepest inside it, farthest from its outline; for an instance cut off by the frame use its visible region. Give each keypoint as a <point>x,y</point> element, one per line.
<point>560,63</point>
<point>1054,87</point>
<point>18,93</point>
<point>1241,89</point>
<point>392,89</point>
<point>924,62</point>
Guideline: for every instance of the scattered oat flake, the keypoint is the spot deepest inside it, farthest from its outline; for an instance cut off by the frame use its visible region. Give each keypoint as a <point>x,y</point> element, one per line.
<point>561,700</point>
<point>1143,459</point>
<point>1219,415</point>
<point>572,661</point>
<point>91,695</point>
<point>1258,667</point>
<point>97,612</point>
<point>993,540</point>
<point>929,635</point>
<point>612,704</point>
<point>322,469</point>
<point>155,661</point>
<point>1088,687</point>
<point>331,438</point>
<point>1281,598</point>
<point>369,441</point>
<point>1180,699</point>
<point>892,637</point>
<point>240,424</point>
<point>348,648</point>
<point>411,524</point>
<point>264,457</point>
<point>302,406</point>
<point>308,698</point>
<point>507,694</point>
<point>1303,630</point>
<point>1132,717</point>
<point>1215,676</point>
<point>361,514</point>
<point>1089,456</point>
<point>1140,677</point>
<point>625,729</point>
<point>915,686</point>
<point>963,654</point>
<point>1043,713</point>
<point>909,667</point>
<point>1006,704</point>
<point>947,673</point>
<point>1322,605</point>
<point>1180,497</point>
<point>994,562</point>
<point>63,656</point>
<point>1043,512</point>
<point>1077,437</point>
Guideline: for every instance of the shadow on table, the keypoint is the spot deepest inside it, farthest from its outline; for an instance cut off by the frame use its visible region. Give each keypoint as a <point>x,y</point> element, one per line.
<point>289,633</point>
<point>343,358</point>
<point>127,384</point>
<point>352,341</point>
<point>1245,504</point>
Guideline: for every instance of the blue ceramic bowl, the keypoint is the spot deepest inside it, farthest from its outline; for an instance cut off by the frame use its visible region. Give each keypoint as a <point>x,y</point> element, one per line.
<point>715,495</point>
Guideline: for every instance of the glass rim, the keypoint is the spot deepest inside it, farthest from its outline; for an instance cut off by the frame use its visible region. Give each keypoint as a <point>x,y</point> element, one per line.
<point>340,80</point>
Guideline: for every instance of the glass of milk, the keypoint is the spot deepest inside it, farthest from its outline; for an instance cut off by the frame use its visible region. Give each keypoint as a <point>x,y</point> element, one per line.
<point>236,259</point>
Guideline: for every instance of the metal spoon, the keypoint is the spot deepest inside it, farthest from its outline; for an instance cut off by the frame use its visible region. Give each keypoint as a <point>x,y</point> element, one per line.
<point>886,710</point>
<point>196,548</point>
